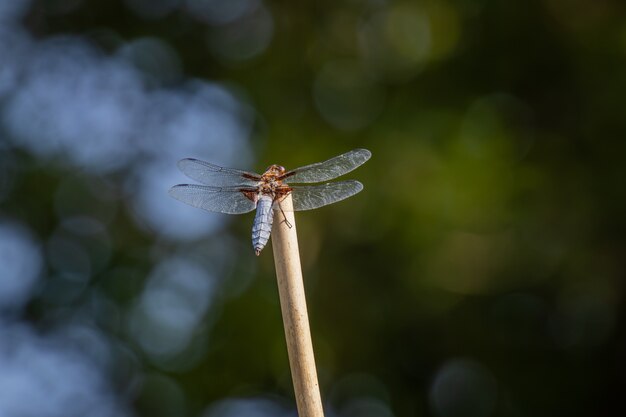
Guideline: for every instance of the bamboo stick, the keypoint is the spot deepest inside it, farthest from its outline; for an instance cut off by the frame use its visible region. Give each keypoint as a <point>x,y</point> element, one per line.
<point>294,311</point>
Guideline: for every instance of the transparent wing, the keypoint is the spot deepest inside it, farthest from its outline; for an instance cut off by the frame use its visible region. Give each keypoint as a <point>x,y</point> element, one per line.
<point>229,200</point>
<point>327,170</point>
<point>215,175</point>
<point>313,196</point>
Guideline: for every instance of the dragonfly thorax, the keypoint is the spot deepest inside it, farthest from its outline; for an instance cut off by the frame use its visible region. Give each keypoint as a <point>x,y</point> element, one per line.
<point>270,180</point>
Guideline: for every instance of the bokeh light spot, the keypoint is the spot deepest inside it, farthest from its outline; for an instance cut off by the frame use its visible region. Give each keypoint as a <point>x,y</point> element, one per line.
<point>463,388</point>
<point>13,10</point>
<point>365,407</point>
<point>247,407</point>
<point>50,376</point>
<point>244,38</point>
<point>157,60</point>
<point>66,78</point>
<point>173,303</point>
<point>398,41</point>
<point>20,264</point>
<point>408,31</point>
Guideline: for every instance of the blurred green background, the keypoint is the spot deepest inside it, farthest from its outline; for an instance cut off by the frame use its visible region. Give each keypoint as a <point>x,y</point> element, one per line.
<point>478,274</point>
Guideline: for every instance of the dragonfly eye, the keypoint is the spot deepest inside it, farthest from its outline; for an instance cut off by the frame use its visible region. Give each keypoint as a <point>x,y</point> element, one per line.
<point>276,169</point>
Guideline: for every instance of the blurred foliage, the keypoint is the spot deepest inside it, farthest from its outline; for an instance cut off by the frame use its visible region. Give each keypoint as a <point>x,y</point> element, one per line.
<point>478,274</point>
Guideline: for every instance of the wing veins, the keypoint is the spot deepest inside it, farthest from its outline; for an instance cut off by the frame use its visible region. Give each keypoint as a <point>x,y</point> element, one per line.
<point>329,169</point>
<point>215,175</point>
<point>310,197</point>
<point>229,200</point>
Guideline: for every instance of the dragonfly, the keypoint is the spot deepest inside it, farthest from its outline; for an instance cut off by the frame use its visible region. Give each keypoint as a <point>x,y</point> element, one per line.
<point>234,191</point>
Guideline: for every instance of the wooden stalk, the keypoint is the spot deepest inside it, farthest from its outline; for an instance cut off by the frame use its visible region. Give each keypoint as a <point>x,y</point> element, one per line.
<point>295,317</point>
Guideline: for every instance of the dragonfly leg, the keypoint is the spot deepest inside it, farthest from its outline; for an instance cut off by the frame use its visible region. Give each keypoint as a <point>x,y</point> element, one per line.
<point>289,225</point>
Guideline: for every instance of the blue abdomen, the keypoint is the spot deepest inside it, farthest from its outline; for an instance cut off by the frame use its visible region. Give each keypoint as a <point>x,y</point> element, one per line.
<point>262,226</point>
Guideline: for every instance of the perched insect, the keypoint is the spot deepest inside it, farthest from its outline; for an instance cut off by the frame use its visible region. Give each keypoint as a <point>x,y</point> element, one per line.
<point>233,191</point>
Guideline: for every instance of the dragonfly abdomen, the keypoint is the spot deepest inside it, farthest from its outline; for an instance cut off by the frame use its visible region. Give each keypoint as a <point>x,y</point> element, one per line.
<point>262,227</point>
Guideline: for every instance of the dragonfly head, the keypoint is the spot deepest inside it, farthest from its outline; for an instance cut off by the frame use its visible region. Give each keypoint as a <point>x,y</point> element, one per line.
<point>275,170</point>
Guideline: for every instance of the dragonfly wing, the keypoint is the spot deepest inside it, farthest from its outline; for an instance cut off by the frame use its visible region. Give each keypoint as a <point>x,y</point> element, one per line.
<point>327,170</point>
<point>229,200</point>
<point>314,196</point>
<point>215,175</point>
